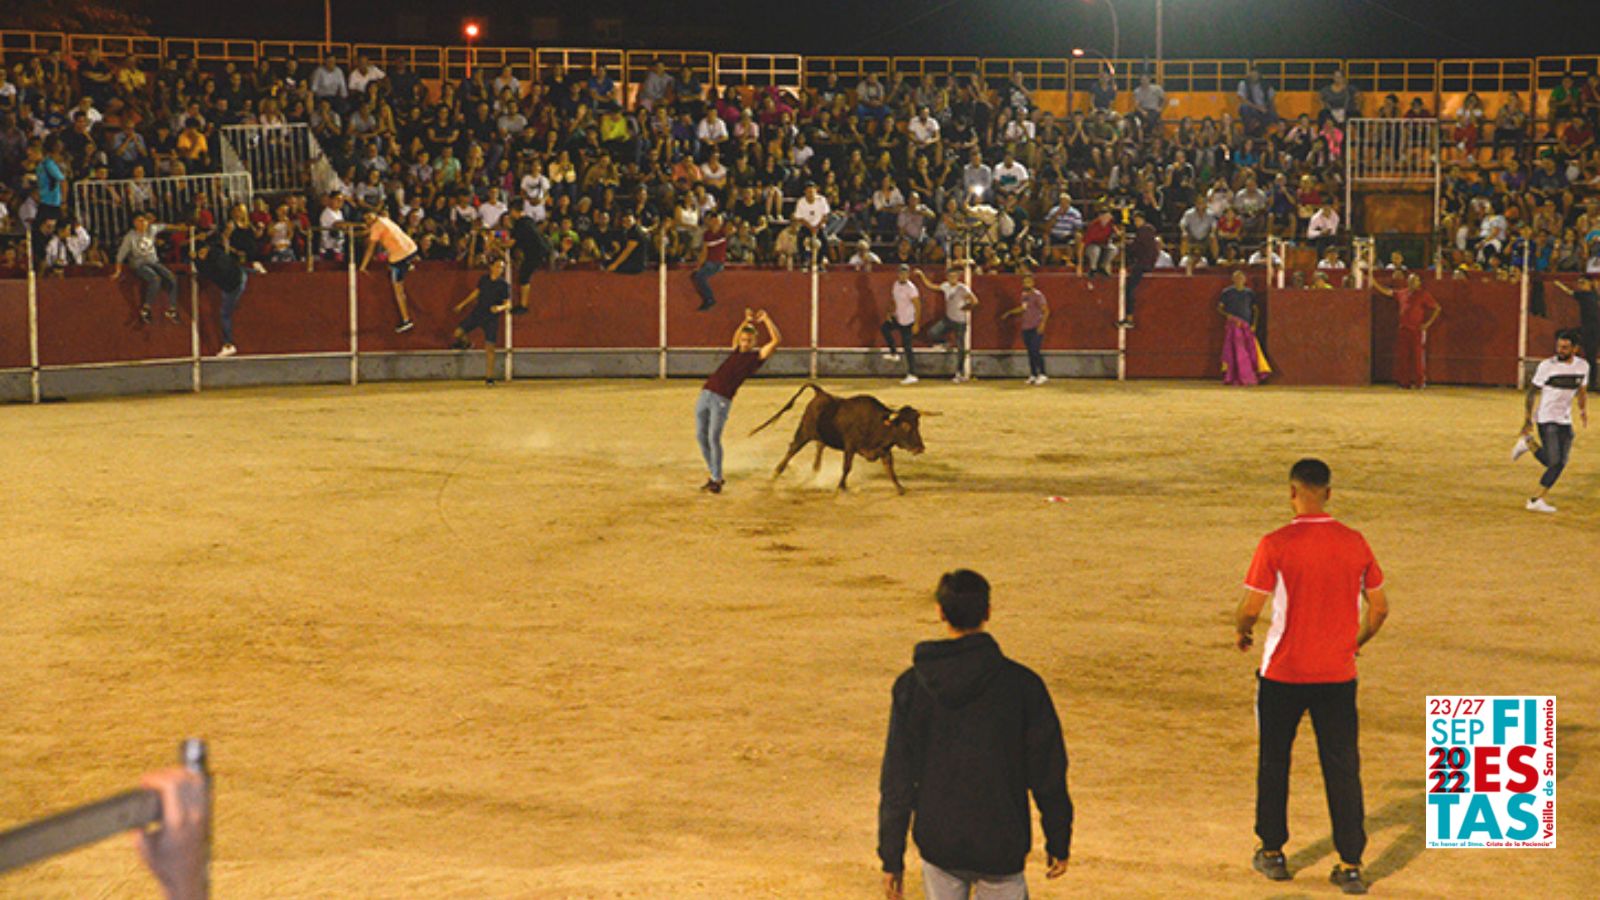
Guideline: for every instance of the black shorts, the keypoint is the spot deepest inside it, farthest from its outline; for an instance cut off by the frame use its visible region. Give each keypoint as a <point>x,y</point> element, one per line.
<point>399,268</point>
<point>526,270</point>
<point>487,322</point>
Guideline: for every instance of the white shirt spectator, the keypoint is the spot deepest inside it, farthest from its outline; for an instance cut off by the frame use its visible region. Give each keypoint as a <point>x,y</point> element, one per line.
<point>1018,131</point>
<point>508,82</point>
<point>536,190</point>
<point>1326,263</point>
<point>1164,260</point>
<point>1218,201</point>
<point>360,78</point>
<point>800,156</point>
<point>924,130</point>
<point>1260,257</point>
<point>332,238</point>
<point>863,260</point>
<point>327,83</point>
<point>1011,178</point>
<point>887,201</point>
<point>490,211</point>
<point>712,129</point>
<point>812,213</point>
<point>905,303</point>
<point>1150,98</point>
<point>1324,223</point>
<point>77,242</point>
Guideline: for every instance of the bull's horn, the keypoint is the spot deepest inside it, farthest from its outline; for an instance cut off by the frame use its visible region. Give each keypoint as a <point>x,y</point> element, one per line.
<point>929,412</point>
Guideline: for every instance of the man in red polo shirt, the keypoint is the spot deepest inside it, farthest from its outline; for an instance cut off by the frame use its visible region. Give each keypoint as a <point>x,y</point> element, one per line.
<point>1315,571</point>
<point>716,397</point>
<point>1418,312</point>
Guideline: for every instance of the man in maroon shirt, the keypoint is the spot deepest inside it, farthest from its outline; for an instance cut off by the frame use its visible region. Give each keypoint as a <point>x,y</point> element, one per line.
<point>716,397</point>
<point>1143,251</point>
<point>1315,572</point>
<point>713,256</point>
<point>1418,312</point>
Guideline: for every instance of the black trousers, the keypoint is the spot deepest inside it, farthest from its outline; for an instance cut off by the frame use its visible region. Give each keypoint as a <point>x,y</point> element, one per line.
<point>1279,707</point>
<point>1034,341</point>
<point>891,328</point>
<point>1135,275</point>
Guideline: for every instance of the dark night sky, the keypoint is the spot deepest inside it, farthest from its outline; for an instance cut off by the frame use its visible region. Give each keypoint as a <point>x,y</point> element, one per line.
<point>1194,28</point>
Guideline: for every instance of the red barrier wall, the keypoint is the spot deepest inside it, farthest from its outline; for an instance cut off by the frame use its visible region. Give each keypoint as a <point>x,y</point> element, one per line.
<point>90,319</point>
<point>851,306</point>
<point>286,311</point>
<point>1320,337</point>
<point>14,325</point>
<point>1083,312</point>
<point>1179,333</point>
<point>577,309</point>
<point>1474,341</point>
<point>94,319</point>
<point>786,296</point>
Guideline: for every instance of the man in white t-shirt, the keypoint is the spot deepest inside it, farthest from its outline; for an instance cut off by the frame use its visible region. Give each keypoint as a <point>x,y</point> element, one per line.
<point>536,191</point>
<point>811,211</point>
<point>1557,382</point>
<point>924,130</point>
<point>902,322</point>
<point>958,301</point>
<point>1011,177</point>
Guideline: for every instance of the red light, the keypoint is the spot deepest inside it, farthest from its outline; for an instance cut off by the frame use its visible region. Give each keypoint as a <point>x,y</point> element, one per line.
<point>472,29</point>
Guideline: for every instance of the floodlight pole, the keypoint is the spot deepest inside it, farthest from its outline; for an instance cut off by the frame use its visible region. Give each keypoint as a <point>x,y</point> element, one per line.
<point>1158,41</point>
<point>327,24</point>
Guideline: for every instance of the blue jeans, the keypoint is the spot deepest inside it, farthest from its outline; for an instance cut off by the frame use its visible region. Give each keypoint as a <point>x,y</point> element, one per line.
<point>702,280</point>
<point>941,884</point>
<point>1034,341</point>
<point>230,303</point>
<point>710,415</point>
<point>157,278</point>
<point>1555,440</point>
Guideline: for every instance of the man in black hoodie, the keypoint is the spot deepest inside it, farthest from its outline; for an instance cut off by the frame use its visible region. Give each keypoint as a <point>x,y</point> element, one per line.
<point>971,733</point>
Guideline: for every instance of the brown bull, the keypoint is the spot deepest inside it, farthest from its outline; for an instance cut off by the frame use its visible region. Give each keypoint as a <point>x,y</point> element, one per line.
<point>855,425</point>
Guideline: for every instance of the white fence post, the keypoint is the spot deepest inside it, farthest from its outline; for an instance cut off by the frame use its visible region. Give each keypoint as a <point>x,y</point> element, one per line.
<point>1122,314</point>
<point>33,319</point>
<point>661,299</point>
<point>816,311</point>
<point>351,287</point>
<point>194,319</point>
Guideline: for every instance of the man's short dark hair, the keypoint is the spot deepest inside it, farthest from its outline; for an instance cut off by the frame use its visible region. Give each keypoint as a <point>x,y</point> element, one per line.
<point>1313,473</point>
<point>1570,334</point>
<point>964,598</point>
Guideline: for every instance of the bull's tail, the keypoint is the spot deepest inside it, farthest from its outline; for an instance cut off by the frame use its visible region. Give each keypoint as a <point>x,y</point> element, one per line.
<point>788,406</point>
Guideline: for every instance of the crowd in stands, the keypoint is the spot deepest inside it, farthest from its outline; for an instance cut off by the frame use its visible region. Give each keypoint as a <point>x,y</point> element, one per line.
<point>899,170</point>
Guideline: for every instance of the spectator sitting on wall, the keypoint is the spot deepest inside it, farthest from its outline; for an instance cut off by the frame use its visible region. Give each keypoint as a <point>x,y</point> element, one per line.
<point>1257,103</point>
<point>328,83</point>
<point>1103,96</point>
<point>1340,101</point>
<point>1149,103</point>
<point>871,98</point>
<point>363,75</point>
<point>138,249</point>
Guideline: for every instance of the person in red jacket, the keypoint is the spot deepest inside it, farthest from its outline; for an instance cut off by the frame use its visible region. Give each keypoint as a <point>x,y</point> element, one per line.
<point>1418,312</point>
<point>1099,243</point>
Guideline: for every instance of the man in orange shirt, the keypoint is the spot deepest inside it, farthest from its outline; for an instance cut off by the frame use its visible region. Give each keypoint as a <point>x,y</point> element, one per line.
<point>1418,312</point>
<point>1315,571</point>
<point>400,250</point>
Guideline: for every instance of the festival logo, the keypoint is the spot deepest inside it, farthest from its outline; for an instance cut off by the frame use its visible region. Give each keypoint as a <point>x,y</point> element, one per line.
<point>1491,772</point>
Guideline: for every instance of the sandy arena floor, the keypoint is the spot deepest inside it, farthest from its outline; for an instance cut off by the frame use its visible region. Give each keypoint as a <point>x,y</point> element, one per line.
<point>456,642</point>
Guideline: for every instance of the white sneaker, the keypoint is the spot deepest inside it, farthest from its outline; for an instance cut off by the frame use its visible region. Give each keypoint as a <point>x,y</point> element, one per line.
<point>1041,379</point>
<point>1520,448</point>
<point>892,357</point>
<point>1032,379</point>
<point>909,379</point>
<point>958,378</point>
<point>227,350</point>
<point>1537,504</point>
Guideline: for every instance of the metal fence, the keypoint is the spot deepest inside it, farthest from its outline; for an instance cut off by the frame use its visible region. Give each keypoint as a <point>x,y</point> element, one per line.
<point>106,206</point>
<point>279,158</point>
<point>1394,153</point>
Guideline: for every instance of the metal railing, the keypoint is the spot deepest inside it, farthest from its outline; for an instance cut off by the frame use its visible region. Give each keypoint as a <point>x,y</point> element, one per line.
<point>279,158</point>
<point>106,206</point>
